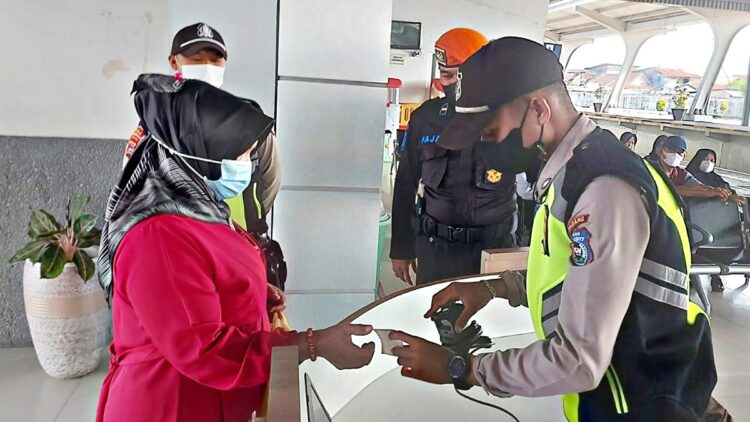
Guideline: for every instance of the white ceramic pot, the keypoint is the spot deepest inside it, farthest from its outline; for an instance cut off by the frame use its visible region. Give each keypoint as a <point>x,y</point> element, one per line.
<point>69,321</point>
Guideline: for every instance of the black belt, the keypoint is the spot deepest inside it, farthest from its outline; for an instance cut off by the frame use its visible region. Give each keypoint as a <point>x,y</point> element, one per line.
<point>431,227</point>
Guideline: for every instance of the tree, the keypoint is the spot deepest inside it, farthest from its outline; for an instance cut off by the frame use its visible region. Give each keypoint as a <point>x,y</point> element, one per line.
<point>739,85</point>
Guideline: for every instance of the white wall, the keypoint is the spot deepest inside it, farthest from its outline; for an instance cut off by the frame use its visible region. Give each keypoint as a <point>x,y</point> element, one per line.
<point>493,18</point>
<point>68,66</point>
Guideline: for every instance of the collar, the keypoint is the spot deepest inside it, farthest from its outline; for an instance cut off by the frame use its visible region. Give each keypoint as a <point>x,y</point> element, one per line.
<point>564,152</point>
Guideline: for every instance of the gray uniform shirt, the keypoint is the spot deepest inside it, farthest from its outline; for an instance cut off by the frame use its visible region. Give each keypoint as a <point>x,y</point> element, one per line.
<point>594,299</point>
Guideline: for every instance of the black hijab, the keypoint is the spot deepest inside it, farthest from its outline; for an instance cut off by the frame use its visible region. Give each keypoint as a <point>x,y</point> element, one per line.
<point>190,117</point>
<point>710,179</point>
<point>625,137</point>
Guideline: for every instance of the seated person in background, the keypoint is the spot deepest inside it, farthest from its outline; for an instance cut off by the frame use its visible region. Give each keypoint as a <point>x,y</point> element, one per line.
<point>670,154</point>
<point>629,139</point>
<point>702,168</point>
<point>657,144</point>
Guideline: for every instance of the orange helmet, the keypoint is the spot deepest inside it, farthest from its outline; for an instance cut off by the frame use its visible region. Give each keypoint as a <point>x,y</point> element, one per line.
<point>454,47</point>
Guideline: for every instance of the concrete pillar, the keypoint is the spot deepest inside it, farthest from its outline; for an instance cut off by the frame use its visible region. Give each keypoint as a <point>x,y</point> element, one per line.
<point>570,47</point>
<point>633,42</point>
<point>725,26</point>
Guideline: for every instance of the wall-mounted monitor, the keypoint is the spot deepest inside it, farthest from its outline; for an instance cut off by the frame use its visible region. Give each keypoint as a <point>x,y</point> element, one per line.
<point>406,35</point>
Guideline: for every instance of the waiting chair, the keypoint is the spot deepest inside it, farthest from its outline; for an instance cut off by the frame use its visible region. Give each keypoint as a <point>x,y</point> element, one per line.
<point>719,240</point>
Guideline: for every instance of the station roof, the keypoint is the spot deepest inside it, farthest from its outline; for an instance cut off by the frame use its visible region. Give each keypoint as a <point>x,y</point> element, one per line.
<point>575,19</point>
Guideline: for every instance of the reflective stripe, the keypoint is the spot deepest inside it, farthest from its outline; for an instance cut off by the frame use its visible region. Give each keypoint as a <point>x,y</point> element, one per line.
<point>549,325</point>
<point>615,393</point>
<point>623,402</point>
<point>256,201</point>
<point>203,40</point>
<point>665,273</point>
<point>551,303</point>
<point>471,110</point>
<point>661,294</point>
<point>618,395</point>
<point>550,307</point>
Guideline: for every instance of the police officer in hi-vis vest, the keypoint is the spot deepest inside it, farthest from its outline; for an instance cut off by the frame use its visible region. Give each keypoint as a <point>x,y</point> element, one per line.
<point>607,280</point>
<point>447,205</point>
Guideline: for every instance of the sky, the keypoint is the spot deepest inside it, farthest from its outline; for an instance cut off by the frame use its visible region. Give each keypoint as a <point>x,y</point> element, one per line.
<point>688,48</point>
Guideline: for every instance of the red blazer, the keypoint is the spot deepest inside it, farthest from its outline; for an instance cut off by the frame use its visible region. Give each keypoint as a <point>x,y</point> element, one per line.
<point>192,339</point>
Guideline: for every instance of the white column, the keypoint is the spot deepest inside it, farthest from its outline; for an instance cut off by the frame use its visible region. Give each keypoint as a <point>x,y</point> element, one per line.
<point>725,26</point>
<point>633,42</point>
<point>570,47</point>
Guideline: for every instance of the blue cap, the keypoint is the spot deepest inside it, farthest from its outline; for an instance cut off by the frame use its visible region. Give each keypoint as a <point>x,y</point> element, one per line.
<point>676,143</point>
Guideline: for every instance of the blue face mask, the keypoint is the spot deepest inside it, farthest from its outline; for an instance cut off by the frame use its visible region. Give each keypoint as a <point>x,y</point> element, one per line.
<point>235,175</point>
<point>235,178</point>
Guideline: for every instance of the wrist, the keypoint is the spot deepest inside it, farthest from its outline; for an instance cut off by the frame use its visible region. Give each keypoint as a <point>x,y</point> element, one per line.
<point>459,368</point>
<point>308,345</point>
<point>500,287</point>
<point>471,378</point>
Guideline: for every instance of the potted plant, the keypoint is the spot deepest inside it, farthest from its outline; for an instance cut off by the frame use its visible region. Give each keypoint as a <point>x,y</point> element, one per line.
<point>661,104</point>
<point>598,95</point>
<point>65,306</point>
<point>680,100</point>
<point>724,107</point>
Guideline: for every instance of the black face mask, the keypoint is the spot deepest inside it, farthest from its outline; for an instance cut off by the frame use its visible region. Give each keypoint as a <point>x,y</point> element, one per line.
<point>450,94</point>
<point>519,159</point>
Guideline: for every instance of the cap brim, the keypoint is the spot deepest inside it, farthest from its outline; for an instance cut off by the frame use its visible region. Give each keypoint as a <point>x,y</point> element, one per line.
<point>464,129</point>
<point>194,48</point>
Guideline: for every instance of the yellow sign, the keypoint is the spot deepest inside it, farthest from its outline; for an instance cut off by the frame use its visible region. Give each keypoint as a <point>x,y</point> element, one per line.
<point>494,176</point>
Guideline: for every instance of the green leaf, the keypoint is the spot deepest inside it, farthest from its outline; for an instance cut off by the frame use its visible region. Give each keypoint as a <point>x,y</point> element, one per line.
<point>76,208</point>
<point>88,242</point>
<point>43,224</point>
<point>52,262</point>
<point>85,264</point>
<point>30,251</point>
<point>38,257</point>
<point>83,225</point>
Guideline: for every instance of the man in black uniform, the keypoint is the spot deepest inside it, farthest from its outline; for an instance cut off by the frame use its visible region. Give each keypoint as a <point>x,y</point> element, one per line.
<point>462,206</point>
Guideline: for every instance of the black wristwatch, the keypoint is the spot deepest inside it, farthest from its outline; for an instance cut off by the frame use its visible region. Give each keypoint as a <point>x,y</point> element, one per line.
<point>458,368</point>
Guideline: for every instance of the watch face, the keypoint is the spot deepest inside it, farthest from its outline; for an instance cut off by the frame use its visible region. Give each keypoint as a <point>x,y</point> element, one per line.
<point>457,367</point>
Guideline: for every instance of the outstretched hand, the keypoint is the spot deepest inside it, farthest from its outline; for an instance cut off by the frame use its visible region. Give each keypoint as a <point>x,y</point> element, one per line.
<point>335,345</point>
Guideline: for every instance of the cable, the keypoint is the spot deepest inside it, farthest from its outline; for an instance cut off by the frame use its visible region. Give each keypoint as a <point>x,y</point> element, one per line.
<point>507,412</point>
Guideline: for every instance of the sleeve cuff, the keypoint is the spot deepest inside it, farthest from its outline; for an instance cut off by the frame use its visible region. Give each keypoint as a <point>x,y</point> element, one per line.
<point>515,285</point>
<point>482,367</point>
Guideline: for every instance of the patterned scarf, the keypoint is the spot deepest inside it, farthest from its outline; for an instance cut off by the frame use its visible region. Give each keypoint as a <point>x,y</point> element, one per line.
<point>192,118</point>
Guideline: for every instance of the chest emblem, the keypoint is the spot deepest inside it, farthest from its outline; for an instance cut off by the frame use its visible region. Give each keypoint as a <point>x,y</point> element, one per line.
<point>494,176</point>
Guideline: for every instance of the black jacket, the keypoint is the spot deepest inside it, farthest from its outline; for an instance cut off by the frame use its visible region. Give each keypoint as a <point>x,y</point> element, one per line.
<point>460,189</point>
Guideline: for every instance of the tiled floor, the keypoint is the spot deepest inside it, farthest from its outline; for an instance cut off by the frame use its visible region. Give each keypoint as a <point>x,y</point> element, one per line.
<point>27,394</point>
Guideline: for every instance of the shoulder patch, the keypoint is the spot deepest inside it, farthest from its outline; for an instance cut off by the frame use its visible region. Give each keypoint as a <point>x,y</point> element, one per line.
<point>577,221</point>
<point>581,252</point>
<point>138,135</point>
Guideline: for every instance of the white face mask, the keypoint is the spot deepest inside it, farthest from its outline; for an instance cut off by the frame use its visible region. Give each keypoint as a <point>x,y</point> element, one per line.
<point>673,159</point>
<point>208,73</point>
<point>707,166</point>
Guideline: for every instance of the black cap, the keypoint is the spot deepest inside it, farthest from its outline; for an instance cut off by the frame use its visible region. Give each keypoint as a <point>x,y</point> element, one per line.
<point>198,36</point>
<point>498,73</point>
